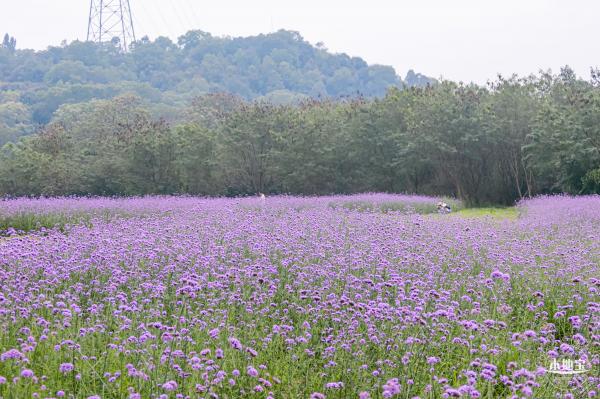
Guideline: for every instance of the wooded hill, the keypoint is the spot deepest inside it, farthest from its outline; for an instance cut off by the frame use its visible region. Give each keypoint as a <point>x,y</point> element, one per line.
<point>279,67</point>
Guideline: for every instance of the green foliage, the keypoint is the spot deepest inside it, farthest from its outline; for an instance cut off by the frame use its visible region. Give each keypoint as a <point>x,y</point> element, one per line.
<point>27,222</point>
<point>9,43</point>
<point>591,182</point>
<point>565,140</point>
<point>496,213</point>
<point>493,145</point>
<point>397,206</point>
<point>280,67</point>
<point>15,121</point>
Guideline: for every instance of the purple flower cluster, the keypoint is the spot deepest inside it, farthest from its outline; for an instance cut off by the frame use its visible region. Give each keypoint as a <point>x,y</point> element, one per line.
<point>307,297</point>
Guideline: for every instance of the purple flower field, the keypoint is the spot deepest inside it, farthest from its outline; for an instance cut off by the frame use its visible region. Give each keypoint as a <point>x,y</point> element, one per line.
<point>300,298</point>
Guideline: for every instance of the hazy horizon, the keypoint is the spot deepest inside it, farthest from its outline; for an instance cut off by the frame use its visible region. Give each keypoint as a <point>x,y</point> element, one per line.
<point>465,40</point>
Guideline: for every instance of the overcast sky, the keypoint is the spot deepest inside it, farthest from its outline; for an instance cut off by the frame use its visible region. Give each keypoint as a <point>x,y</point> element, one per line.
<point>457,39</point>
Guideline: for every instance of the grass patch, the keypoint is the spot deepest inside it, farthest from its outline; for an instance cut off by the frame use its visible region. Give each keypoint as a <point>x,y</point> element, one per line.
<point>496,213</point>
<point>27,222</point>
<point>422,208</point>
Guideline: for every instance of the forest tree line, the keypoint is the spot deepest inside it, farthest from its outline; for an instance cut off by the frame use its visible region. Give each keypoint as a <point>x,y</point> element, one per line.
<point>279,67</point>
<point>515,138</point>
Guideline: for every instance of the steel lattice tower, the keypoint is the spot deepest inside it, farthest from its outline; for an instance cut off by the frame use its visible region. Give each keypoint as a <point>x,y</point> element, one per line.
<point>111,19</point>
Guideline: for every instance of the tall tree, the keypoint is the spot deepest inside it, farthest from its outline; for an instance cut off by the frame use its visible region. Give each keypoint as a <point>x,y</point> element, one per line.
<point>9,43</point>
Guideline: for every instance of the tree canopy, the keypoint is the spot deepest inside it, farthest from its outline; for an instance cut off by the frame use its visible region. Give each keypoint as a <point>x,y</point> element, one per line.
<point>272,113</point>
<point>280,67</point>
<point>515,138</point>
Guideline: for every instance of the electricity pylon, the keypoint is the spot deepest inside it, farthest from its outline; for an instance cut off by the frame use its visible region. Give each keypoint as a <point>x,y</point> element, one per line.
<point>110,19</point>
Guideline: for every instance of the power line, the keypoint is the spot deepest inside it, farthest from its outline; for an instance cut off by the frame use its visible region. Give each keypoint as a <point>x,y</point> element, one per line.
<point>168,31</point>
<point>177,15</point>
<point>193,14</point>
<point>147,19</point>
<point>187,14</point>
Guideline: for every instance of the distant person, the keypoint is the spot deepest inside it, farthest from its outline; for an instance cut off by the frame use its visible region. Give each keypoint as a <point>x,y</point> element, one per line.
<point>442,207</point>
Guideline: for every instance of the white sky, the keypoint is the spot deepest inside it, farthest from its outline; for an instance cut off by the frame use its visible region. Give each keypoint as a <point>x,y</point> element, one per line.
<point>468,40</point>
